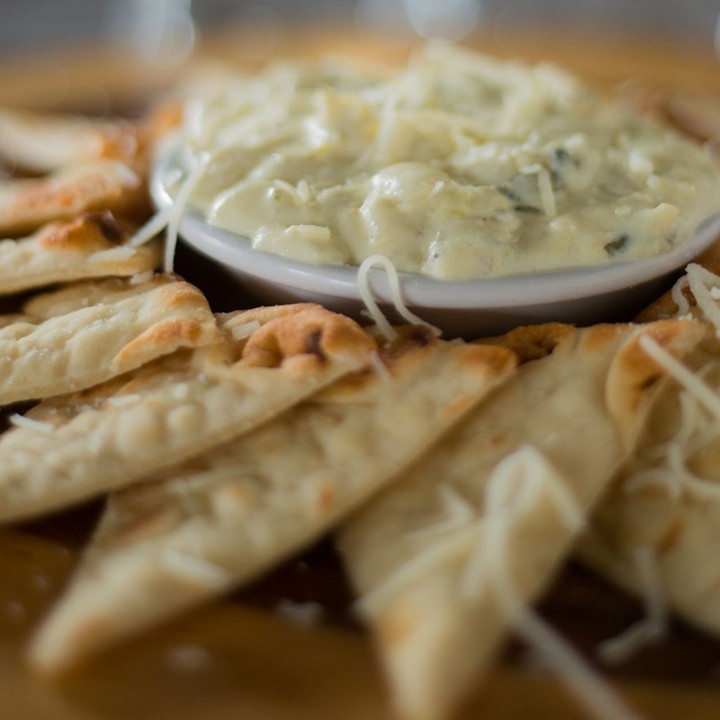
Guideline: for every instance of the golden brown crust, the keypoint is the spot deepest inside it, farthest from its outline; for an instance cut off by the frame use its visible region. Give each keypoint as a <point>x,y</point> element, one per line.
<point>89,232</point>
<point>75,250</point>
<point>101,185</point>
<point>414,548</point>
<point>598,337</point>
<point>533,342</point>
<point>164,413</point>
<point>634,376</point>
<point>244,505</point>
<point>43,142</point>
<point>311,334</point>
<point>94,342</point>
<point>76,295</point>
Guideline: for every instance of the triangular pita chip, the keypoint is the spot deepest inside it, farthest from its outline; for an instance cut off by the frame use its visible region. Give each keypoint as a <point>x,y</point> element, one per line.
<point>416,553</point>
<point>43,142</point>
<point>665,501</point>
<point>224,518</point>
<point>28,203</point>
<point>92,246</point>
<point>175,408</point>
<point>41,358</point>
<point>75,296</point>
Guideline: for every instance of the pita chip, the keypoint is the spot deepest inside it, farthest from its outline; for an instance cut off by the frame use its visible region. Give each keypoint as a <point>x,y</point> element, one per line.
<point>665,500</point>
<point>28,203</point>
<point>41,358</point>
<point>92,246</point>
<point>76,296</point>
<point>175,408</point>
<point>418,555</point>
<point>229,515</point>
<point>43,142</point>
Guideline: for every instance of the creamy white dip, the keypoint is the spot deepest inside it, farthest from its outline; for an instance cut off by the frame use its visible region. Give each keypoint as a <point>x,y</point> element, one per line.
<point>457,166</point>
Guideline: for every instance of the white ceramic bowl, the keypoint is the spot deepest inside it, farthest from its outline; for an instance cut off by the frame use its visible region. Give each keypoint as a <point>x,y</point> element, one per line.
<point>470,308</point>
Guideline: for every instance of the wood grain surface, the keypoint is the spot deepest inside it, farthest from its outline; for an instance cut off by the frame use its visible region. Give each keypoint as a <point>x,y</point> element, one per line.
<point>241,658</point>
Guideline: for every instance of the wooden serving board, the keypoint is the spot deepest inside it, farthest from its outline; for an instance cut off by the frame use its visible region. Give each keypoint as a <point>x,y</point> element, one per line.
<point>241,658</point>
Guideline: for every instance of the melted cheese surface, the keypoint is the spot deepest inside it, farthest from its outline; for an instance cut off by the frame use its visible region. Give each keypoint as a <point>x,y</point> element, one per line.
<point>457,166</point>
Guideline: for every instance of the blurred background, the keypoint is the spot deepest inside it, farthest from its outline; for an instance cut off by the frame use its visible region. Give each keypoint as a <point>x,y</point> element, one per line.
<point>111,55</point>
<point>30,25</point>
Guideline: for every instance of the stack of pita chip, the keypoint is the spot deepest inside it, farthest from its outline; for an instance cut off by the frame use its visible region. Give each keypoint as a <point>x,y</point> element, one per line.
<point>456,477</point>
<point>202,429</point>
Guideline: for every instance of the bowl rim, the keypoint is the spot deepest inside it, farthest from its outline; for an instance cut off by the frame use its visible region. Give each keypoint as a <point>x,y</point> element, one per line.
<point>503,292</point>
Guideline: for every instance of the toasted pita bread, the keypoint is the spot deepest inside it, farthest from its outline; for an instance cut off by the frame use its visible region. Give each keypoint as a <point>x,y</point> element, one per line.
<point>43,141</point>
<point>416,553</point>
<point>27,204</point>
<point>89,345</point>
<point>91,246</point>
<point>76,296</point>
<point>229,515</point>
<point>666,500</point>
<point>175,408</point>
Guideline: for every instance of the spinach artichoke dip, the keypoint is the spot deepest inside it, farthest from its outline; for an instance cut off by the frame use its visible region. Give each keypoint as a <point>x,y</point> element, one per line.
<point>457,167</point>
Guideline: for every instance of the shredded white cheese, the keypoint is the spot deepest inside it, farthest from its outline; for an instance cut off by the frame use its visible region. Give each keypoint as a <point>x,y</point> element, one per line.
<point>651,628</point>
<point>456,513</point>
<point>595,694</point>
<point>123,400</point>
<point>244,330</point>
<point>195,569</point>
<point>678,296</point>
<point>379,367</point>
<point>143,277</point>
<point>517,481</point>
<point>178,207</point>
<point>153,227</point>
<point>653,477</point>
<point>440,553</point>
<point>396,296</point>
<point>115,254</point>
<point>702,392</point>
<point>699,281</point>
<point>545,188</point>
<point>23,421</point>
<point>689,482</point>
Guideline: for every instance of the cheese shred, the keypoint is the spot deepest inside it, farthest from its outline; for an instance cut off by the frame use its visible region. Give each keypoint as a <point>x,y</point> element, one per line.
<point>700,390</point>
<point>700,281</point>
<point>153,227</point>
<point>678,296</point>
<point>589,688</point>
<point>651,628</point>
<point>178,207</point>
<point>22,421</point>
<point>373,308</point>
